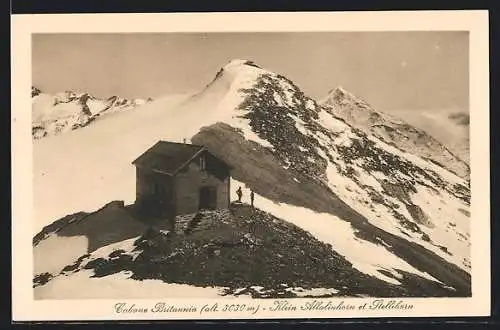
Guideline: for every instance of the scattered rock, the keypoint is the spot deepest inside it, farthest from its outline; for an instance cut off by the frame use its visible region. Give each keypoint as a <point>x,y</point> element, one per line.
<point>41,279</point>
<point>419,215</point>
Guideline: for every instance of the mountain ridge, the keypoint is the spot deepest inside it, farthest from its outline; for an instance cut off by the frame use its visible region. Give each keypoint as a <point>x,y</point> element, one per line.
<point>360,114</point>
<point>306,166</point>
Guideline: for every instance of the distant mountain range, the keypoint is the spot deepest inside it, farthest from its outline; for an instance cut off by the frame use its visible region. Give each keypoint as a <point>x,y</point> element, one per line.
<point>54,114</point>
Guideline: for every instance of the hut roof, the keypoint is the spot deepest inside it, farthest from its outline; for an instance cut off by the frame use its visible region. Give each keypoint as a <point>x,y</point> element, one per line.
<point>168,157</point>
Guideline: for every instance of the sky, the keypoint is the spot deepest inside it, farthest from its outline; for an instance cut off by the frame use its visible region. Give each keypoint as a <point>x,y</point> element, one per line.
<point>390,70</point>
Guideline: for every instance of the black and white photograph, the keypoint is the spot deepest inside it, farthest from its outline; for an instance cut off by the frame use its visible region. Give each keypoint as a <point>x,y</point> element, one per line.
<point>251,166</point>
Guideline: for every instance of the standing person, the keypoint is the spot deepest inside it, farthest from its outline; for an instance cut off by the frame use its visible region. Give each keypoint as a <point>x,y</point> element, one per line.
<point>239,193</point>
<point>252,196</point>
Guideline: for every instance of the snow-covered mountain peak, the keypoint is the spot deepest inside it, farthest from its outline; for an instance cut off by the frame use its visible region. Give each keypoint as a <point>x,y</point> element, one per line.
<point>226,91</point>
<point>235,63</point>
<point>340,93</point>
<point>340,97</point>
<point>239,71</point>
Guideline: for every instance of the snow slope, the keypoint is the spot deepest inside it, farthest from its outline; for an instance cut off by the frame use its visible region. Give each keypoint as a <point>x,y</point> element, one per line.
<point>88,167</point>
<point>84,169</point>
<point>340,234</point>
<point>407,213</point>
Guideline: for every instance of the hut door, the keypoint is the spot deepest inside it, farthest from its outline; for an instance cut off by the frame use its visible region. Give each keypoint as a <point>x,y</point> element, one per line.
<point>208,198</point>
<point>158,198</point>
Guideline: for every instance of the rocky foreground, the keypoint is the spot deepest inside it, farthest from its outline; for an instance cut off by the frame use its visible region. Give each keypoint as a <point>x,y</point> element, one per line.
<point>243,249</point>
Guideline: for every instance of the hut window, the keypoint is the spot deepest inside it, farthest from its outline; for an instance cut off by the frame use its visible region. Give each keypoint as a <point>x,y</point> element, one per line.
<point>202,163</point>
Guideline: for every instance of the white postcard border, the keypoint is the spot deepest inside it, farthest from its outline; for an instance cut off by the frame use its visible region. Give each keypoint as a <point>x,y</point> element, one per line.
<point>25,308</point>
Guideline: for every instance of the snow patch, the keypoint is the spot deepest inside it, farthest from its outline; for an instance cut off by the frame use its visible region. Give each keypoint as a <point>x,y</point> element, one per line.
<point>329,122</point>
<point>310,104</point>
<point>451,227</point>
<point>243,125</point>
<point>46,261</point>
<point>125,245</point>
<point>315,292</point>
<point>301,148</point>
<point>118,286</point>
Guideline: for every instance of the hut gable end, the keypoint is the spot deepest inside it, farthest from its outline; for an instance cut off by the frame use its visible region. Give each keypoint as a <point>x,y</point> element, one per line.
<point>177,178</point>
